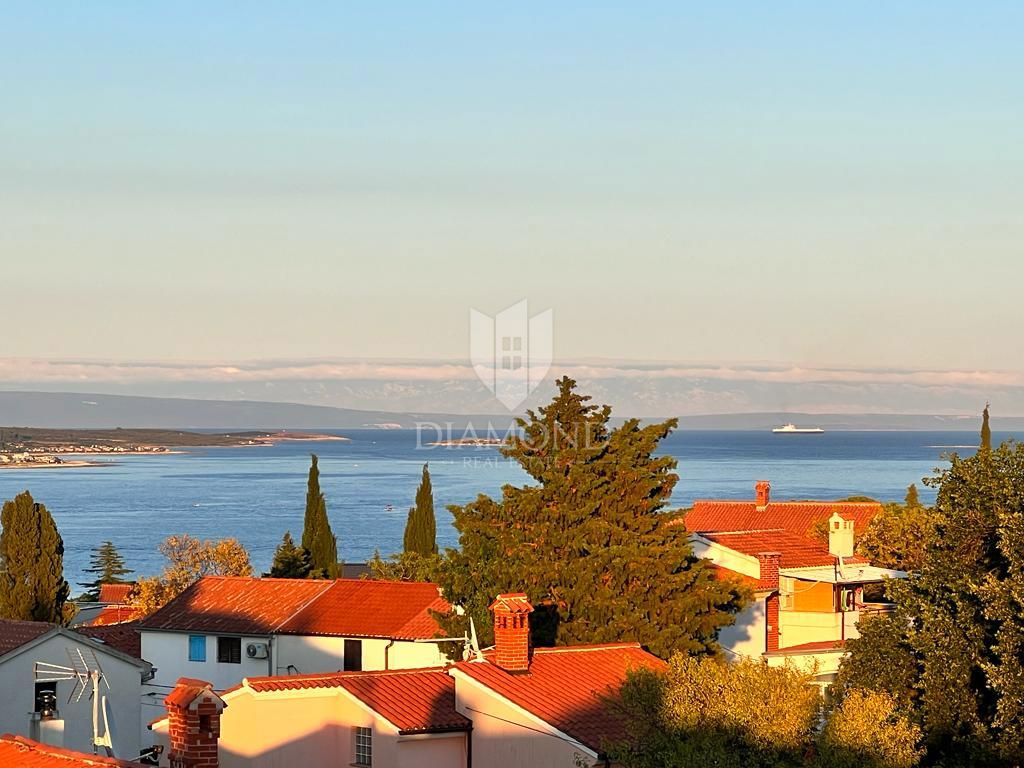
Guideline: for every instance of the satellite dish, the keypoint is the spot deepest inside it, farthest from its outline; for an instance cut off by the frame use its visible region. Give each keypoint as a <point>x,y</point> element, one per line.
<point>474,644</point>
<point>87,673</point>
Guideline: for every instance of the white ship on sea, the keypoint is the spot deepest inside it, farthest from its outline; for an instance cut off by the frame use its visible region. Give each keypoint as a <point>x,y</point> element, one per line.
<point>793,429</point>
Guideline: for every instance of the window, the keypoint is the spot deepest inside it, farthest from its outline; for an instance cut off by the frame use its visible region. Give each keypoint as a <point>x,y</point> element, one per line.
<point>353,660</point>
<point>364,746</point>
<point>229,650</point>
<point>197,647</point>
<point>45,698</point>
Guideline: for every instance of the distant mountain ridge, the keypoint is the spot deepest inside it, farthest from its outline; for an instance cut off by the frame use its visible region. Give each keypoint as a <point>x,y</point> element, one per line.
<point>74,410</point>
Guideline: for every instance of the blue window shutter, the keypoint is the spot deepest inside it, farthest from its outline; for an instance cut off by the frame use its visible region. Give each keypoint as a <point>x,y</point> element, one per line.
<point>197,647</point>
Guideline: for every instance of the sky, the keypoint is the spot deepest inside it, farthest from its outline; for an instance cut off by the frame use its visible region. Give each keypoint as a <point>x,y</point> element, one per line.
<point>796,185</point>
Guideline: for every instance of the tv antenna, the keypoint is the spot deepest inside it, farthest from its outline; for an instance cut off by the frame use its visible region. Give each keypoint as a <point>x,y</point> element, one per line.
<point>473,647</point>
<point>84,668</point>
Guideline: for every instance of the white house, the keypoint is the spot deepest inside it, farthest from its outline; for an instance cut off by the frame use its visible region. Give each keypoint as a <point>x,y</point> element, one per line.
<point>798,558</point>
<point>223,629</point>
<point>508,707</point>
<point>26,706</point>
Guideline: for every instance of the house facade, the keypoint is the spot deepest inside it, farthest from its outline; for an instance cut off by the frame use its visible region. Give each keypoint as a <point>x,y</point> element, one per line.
<point>509,705</point>
<point>224,629</point>
<point>799,560</point>
<point>51,711</point>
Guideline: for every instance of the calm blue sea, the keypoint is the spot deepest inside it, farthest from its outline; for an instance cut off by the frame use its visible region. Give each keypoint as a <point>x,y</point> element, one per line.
<point>255,494</point>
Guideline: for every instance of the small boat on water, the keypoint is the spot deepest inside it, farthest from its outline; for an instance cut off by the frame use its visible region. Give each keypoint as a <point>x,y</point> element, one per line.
<point>793,429</point>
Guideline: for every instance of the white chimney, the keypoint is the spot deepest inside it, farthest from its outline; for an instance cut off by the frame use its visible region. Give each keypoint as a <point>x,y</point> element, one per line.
<point>840,536</point>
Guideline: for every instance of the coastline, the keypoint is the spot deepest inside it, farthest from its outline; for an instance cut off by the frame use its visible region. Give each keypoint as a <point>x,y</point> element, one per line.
<point>60,465</point>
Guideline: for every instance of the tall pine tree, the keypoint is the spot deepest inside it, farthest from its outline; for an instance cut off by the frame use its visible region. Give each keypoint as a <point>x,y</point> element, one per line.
<point>913,498</point>
<point>421,527</point>
<point>591,543</point>
<point>986,431</point>
<point>108,565</point>
<point>290,561</point>
<point>32,585</point>
<point>317,538</point>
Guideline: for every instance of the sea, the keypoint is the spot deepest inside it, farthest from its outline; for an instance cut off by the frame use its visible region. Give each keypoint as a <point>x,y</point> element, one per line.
<point>257,493</point>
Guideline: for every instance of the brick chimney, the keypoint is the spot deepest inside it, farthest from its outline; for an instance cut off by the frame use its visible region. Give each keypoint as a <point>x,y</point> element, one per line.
<point>840,536</point>
<point>193,724</point>
<point>512,632</point>
<point>769,581</point>
<point>762,492</point>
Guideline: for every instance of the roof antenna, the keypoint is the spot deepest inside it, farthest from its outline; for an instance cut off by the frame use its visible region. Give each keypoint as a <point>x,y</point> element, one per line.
<point>474,644</point>
<point>87,673</point>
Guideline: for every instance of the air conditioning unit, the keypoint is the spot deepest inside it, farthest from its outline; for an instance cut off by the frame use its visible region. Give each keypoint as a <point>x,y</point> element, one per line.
<point>256,650</point>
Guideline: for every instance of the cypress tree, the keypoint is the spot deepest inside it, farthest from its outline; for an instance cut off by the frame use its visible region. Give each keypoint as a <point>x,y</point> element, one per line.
<point>32,585</point>
<point>421,527</point>
<point>290,561</point>
<point>317,538</point>
<point>108,565</point>
<point>986,431</point>
<point>591,543</point>
<point>912,499</point>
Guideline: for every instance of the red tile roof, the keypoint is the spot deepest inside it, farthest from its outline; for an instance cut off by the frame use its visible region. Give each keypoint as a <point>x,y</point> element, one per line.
<point>235,605</point>
<point>116,594</point>
<point>567,687</point>
<point>364,608</point>
<point>796,516</point>
<point>19,752</point>
<point>14,634</point>
<point>115,614</point>
<point>340,608</point>
<point>797,551</point>
<point>414,700</point>
<point>122,637</point>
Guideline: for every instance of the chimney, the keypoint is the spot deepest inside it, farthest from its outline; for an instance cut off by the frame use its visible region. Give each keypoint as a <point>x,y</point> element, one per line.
<point>762,492</point>
<point>193,712</point>
<point>840,536</point>
<point>512,632</point>
<point>769,563</point>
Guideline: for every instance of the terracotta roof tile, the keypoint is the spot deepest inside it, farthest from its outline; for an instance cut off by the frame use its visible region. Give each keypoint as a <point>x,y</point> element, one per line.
<point>796,516</point>
<point>115,594</point>
<point>187,690</point>
<point>365,608</point>
<point>235,605</point>
<point>115,614</point>
<point>123,637</point>
<point>19,752</point>
<point>14,634</point>
<point>414,700</point>
<point>566,687</point>
<point>797,551</point>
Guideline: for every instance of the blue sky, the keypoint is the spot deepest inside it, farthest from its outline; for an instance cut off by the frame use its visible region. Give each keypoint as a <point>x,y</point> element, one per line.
<point>786,183</point>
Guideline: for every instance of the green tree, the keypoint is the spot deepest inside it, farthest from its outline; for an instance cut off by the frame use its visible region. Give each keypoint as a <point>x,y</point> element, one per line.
<point>898,537</point>
<point>958,621</point>
<point>986,431</point>
<point>421,527</point>
<point>912,498</point>
<point>108,565</point>
<point>317,538</point>
<point>867,730</point>
<point>32,585</point>
<point>290,560</point>
<point>405,566</point>
<point>709,712</point>
<point>591,542</point>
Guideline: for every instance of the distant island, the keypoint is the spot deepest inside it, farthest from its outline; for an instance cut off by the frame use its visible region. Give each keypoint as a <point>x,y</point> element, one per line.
<point>28,447</point>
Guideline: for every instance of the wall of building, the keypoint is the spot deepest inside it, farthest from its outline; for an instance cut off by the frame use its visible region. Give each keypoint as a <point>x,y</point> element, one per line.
<point>747,635</point>
<point>17,686</point>
<point>317,728</point>
<point>815,596</point>
<point>503,735</point>
<point>798,627</point>
<point>306,654</point>
<point>168,653</point>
